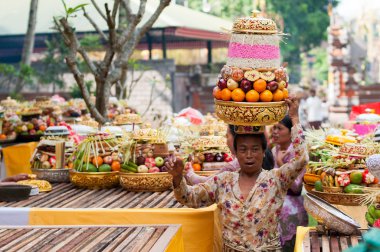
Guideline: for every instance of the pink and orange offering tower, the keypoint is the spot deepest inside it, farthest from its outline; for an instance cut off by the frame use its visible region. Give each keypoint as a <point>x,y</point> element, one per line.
<point>252,86</point>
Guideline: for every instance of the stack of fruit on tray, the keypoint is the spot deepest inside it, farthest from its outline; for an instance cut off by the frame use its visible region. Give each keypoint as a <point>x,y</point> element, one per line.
<point>252,86</point>
<point>96,162</point>
<point>50,160</point>
<point>8,133</point>
<point>339,173</point>
<point>210,153</point>
<point>146,170</point>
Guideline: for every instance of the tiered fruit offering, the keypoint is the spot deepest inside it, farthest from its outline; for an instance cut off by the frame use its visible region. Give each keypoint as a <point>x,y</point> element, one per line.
<point>98,153</point>
<point>373,215</point>
<point>249,85</point>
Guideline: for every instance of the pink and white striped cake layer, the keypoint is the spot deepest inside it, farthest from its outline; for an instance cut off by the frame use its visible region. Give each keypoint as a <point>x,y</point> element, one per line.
<point>254,51</point>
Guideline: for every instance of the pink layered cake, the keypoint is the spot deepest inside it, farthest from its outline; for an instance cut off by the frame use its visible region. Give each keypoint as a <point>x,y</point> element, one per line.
<point>254,43</point>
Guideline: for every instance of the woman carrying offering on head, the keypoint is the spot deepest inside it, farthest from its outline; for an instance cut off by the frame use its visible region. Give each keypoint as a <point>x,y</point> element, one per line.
<point>251,199</point>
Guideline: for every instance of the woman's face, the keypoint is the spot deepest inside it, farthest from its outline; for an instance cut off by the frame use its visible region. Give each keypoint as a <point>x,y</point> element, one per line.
<point>281,134</point>
<point>249,153</point>
<point>230,140</point>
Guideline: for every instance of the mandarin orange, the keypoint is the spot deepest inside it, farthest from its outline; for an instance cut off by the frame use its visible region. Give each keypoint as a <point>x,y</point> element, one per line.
<point>238,95</point>
<point>266,96</point>
<point>278,95</point>
<point>217,93</point>
<point>252,96</point>
<point>286,93</point>
<point>226,94</point>
<point>260,85</point>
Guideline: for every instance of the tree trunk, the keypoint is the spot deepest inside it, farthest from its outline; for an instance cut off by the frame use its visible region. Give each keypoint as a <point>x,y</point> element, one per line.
<point>28,41</point>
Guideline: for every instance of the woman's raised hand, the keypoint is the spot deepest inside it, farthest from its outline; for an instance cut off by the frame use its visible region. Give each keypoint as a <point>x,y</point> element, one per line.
<point>175,168</point>
<point>293,105</point>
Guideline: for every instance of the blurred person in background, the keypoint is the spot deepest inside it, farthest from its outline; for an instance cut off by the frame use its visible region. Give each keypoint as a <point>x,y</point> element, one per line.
<point>314,108</point>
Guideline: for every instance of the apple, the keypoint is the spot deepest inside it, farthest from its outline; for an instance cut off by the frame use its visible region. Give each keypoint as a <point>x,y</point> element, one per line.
<point>164,169</point>
<point>281,85</point>
<point>142,169</point>
<point>159,161</point>
<point>231,84</point>
<point>209,157</point>
<point>140,160</point>
<point>154,170</point>
<point>222,84</point>
<point>272,86</point>
<point>245,85</point>
<point>218,157</point>
<point>226,72</point>
<point>32,132</point>
<point>237,74</point>
<point>107,160</point>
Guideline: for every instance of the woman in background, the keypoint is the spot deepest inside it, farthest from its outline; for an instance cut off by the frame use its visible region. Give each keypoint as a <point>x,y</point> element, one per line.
<point>293,213</point>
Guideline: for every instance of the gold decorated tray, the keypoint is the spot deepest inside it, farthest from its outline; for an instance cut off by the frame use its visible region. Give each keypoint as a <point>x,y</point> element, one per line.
<point>94,180</point>
<point>206,173</point>
<point>43,185</point>
<point>250,113</point>
<point>146,182</point>
<point>347,199</point>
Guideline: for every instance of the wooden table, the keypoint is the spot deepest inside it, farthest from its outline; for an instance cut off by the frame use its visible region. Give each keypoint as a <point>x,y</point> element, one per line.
<point>90,238</point>
<point>68,205</point>
<point>65,195</point>
<point>331,242</point>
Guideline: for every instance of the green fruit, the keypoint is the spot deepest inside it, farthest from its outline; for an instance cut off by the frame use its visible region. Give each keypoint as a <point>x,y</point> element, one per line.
<point>369,219</point>
<point>372,210</point>
<point>356,177</point>
<point>351,188</point>
<point>318,186</point>
<point>105,168</point>
<point>89,168</point>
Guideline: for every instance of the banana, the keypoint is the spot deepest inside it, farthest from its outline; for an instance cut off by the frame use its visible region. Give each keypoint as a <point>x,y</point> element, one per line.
<point>331,181</point>
<point>371,211</point>
<point>336,181</point>
<point>128,168</point>
<point>369,219</point>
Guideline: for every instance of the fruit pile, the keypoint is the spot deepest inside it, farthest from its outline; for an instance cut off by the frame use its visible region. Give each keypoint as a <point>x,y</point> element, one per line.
<point>373,215</point>
<point>210,160</point>
<point>147,159</point>
<point>347,182</point>
<point>249,85</point>
<point>98,153</point>
<point>34,127</point>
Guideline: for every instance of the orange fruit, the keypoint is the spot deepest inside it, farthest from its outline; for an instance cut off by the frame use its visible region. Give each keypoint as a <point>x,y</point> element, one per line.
<point>252,96</point>
<point>266,96</point>
<point>42,128</point>
<point>260,85</point>
<point>217,93</point>
<point>278,95</point>
<point>238,95</point>
<point>3,136</point>
<point>97,161</point>
<point>197,167</point>
<point>286,93</point>
<point>115,166</point>
<point>226,94</point>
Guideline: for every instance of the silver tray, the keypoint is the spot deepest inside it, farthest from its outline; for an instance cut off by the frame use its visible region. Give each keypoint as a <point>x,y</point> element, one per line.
<point>53,175</point>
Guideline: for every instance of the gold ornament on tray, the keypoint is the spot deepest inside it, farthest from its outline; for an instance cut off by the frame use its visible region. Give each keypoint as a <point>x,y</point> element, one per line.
<point>250,113</point>
<point>254,24</point>
<point>43,185</point>
<point>146,182</point>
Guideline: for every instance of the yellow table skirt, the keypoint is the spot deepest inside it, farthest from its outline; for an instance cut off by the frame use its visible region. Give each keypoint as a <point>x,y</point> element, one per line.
<point>201,230</point>
<point>17,158</point>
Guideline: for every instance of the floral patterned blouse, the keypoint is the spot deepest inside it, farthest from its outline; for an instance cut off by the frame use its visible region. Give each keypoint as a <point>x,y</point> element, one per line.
<point>248,224</point>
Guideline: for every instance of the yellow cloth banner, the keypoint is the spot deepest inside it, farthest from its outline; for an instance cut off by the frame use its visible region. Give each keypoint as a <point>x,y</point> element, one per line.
<point>199,231</point>
<point>301,232</point>
<point>17,158</point>
<point>176,244</point>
